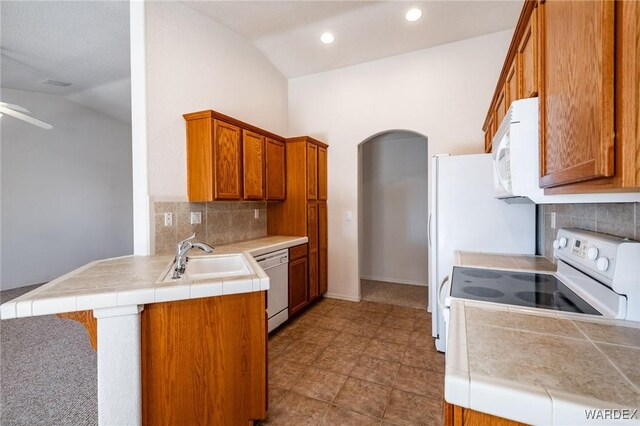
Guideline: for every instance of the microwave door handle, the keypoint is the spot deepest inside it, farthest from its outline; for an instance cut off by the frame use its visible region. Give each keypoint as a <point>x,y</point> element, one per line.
<point>499,154</point>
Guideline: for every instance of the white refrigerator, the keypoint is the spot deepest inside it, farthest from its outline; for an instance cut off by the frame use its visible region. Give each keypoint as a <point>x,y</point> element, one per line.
<point>464,215</point>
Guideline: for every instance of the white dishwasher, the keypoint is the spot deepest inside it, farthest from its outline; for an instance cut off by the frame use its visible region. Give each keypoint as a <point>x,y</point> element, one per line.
<point>276,266</point>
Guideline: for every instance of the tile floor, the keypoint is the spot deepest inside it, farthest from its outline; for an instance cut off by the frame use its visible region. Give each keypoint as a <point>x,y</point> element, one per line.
<point>346,363</point>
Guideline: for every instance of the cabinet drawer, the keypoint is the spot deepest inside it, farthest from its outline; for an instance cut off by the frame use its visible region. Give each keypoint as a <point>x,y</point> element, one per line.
<point>297,252</point>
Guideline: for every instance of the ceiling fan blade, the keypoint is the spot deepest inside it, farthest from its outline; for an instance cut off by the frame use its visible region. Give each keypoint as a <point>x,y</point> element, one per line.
<point>15,107</point>
<point>24,117</point>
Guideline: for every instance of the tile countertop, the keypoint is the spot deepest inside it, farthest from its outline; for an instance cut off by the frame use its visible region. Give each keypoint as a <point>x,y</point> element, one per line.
<point>133,280</point>
<point>538,366</point>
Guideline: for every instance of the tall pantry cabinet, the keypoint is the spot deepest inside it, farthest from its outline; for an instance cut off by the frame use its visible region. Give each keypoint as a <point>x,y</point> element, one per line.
<point>304,213</point>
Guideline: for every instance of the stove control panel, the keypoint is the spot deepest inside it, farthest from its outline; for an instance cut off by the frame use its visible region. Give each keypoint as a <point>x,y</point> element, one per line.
<point>613,261</point>
<point>592,253</point>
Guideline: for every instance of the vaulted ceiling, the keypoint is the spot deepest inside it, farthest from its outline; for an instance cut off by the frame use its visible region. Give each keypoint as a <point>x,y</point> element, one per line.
<point>87,43</point>
<point>288,32</point>
<point>82,43</point>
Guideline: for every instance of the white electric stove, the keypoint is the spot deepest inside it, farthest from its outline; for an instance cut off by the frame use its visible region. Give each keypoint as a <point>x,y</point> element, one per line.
<point>597,275</point>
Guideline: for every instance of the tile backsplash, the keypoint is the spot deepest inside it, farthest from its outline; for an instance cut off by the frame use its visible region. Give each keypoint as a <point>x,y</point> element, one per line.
<point>221,222</point>
<point>619,219</point>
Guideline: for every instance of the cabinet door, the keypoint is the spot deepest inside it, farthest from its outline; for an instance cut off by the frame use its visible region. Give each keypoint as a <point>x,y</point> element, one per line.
<point>275,176</point>
<point>322,250</point>
<point>577,93</point>
<point>253,165</point>
<point>312,233</point>
<point>312,172</point>
<point>227,154</point>
<point>527,56</point>
<point>297,284</point>
<point>322,173</point>
<point>501,107</point>
<point>513,93</point>
<point>488,135</point>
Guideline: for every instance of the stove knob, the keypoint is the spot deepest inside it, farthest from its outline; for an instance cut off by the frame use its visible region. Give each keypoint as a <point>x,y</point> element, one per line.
<point>562,242</point>
<point>602,264</point>
<point>556,244</point>
<point>592,253</point>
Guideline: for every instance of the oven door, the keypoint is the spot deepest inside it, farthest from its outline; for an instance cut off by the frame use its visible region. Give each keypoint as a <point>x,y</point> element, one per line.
<point>443,296</point>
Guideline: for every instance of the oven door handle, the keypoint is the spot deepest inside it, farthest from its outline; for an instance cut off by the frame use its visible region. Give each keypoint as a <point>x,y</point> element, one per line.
<point>439,298</point>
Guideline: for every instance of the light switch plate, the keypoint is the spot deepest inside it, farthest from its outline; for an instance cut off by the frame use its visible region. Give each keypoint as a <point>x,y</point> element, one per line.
<point>168,219</point>
<point>256,213</point>
<point>348,216</point>
<point>553,220</point>
<point>196,217</point>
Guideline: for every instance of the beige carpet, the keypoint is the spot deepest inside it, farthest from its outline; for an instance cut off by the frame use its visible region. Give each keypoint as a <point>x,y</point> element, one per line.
<point>48,371</point>
<point>410,296</point>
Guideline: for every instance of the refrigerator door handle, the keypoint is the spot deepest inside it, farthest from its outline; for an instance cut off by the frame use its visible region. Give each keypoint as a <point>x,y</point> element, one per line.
<point>429,230</point>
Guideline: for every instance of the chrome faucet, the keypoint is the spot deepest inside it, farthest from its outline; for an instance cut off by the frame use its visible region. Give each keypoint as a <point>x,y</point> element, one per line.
<point>182,249</point>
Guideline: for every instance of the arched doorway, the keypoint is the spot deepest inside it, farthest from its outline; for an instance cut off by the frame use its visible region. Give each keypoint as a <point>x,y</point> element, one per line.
<point>393,211</point>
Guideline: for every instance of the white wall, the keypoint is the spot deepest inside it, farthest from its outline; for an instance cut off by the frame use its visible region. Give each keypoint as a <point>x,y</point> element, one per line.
<point>66,192</point>
<point>192,64</point>
<point>441,92</point>
<point>394,209</point>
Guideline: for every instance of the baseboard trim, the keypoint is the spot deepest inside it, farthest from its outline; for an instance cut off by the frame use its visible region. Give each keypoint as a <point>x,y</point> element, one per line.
<point>394,280</point>
<point>342,297</point>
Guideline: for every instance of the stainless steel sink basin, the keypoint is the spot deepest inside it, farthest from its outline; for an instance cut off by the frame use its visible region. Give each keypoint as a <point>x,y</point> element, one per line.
<point>213,268</point>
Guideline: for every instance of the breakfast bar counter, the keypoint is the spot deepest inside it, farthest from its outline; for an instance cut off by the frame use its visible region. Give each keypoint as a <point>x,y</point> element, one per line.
<point>540,366</point>
<point>158,338</point>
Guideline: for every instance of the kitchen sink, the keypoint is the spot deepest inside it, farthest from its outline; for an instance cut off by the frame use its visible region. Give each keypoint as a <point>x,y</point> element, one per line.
<point>213,268</point>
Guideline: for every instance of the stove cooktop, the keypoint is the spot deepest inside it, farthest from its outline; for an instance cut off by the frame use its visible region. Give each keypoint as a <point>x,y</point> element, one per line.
<point>526,289</point>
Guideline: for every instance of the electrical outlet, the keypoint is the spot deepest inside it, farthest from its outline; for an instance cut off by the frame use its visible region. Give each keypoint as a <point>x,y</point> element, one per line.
<point>553,220</point>
<point>168,219</point>
<point>196,217</point>
<point>256,213</point>
<point>348,216</point>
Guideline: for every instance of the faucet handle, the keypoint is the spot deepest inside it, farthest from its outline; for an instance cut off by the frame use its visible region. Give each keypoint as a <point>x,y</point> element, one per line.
<point>187,239</point>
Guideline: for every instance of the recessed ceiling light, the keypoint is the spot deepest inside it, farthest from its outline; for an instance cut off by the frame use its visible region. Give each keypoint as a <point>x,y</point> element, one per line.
<point>413,15</point>
<point>327,38</point>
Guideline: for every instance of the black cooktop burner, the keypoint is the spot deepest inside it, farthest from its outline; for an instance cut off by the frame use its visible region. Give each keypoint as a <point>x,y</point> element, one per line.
<point>517,288</point>
<point>483,292</point>
<point>533,277</point>
<point>481,273</point>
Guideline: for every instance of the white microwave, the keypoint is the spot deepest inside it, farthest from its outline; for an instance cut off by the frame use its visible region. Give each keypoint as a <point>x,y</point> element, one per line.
<point>516,162</point>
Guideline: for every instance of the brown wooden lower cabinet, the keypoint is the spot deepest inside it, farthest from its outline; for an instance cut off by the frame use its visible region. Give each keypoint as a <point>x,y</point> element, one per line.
<point>323,267</point>
<point>298,272</point>
<point>455,415</point>
<point>204,361</point>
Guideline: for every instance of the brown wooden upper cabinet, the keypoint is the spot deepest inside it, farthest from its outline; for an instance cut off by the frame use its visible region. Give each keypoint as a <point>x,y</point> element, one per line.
<point>511,84</point>
<point>581,59</point>
<point>275,173</point>
<point>501,107</point>
<point>527,58</point>
<point>228,159</point>
<point>304,213</point>
<point>312,172</point>
<point>322,173</point>
<point>519,76</point>
<point>577,92</point>
<point>488,134</point>
<point>253,165</point>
